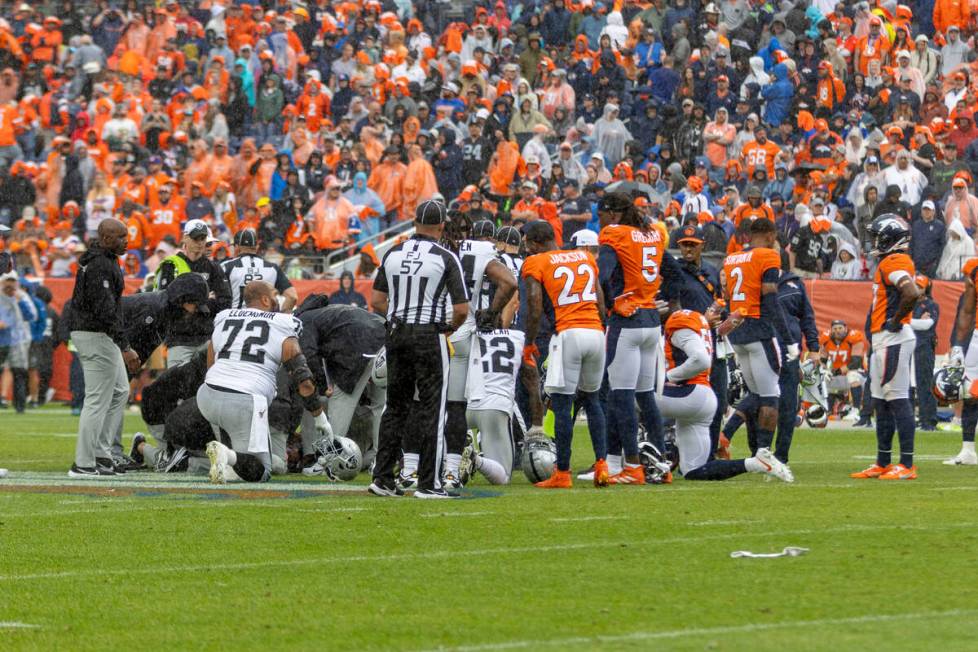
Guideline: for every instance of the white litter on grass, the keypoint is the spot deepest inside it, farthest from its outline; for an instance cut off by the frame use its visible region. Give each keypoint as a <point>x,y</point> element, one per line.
<point>789,551</point>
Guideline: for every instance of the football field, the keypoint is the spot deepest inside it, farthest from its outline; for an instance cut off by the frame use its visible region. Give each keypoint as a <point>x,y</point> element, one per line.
<point>167,562</point>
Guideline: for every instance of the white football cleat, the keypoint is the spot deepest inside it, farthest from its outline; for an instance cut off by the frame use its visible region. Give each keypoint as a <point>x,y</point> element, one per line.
<point>773,466</point>
<point>964,458</point>
<point>217,453</point>
<point>3,473</point>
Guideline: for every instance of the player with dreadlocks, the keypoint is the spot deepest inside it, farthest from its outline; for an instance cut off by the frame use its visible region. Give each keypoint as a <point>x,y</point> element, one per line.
<point>633,268</point>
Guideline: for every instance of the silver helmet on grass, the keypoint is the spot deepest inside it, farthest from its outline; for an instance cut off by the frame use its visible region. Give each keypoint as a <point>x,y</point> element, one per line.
<point>340,457</point>
<point>539,458</point>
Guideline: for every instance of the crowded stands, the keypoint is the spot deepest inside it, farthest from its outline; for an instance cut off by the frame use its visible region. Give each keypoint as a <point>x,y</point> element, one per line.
<point>324,125</point>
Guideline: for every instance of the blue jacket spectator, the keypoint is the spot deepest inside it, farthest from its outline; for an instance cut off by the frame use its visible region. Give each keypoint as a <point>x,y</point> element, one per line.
<point>929,235</point>
<point>778,95</point>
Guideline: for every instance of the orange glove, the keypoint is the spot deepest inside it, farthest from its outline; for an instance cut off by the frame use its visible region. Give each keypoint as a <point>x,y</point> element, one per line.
<point>530,353</point>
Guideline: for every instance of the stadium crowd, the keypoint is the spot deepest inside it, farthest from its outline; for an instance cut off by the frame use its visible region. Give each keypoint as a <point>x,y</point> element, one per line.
<point>321,124</point>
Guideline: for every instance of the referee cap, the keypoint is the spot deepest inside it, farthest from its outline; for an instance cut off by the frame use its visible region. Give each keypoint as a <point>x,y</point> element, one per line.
<point>509,235</point>
<point>246,238</point>
<point>483,229</point>
<point>430,212</point>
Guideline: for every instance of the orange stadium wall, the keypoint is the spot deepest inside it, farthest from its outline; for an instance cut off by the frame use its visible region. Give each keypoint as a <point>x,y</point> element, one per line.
<point>848,300</point>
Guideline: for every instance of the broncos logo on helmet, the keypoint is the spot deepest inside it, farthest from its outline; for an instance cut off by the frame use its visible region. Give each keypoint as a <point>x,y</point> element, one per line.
<point>890,233</point>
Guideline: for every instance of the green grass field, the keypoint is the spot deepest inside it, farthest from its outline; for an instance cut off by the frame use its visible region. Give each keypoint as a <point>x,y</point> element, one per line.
<point>891,564</point>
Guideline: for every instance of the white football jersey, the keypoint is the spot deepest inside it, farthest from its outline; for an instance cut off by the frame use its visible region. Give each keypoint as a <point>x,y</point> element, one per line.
<point>247,268</point>
<point>494,364</point>
<point>248,349</point>
<point>474,256</point>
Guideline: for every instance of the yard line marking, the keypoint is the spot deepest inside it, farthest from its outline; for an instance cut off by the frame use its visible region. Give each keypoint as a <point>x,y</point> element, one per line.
<point>954,488</point>
<point>925,458</point>
<point>576,519</point>
<point>440,514</point>
<point>12,624</point>
<point>707,631</point>
<point>449,554</point>
<point>330,511</point>
<point>731,522</point>
<point>130,507</point>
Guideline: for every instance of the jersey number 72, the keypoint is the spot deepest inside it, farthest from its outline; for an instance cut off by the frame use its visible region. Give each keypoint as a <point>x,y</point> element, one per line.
<point>261,329</point>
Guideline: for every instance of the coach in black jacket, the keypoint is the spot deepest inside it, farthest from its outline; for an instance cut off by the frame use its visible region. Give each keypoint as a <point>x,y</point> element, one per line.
<point>98,334</point>
<point>341,344</point>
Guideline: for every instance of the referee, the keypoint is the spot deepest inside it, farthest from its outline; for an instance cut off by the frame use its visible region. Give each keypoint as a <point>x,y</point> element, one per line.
<point>248,266</point>
<point>411,288</point>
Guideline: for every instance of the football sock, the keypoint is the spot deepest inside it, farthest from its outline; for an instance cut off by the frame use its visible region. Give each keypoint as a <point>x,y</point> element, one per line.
<point>150,453</point>
<point>563,427</point>
<point>651,419</point>
<point>492,470</point>
<point>621,409</point>
<point>614,464</point>
<point>969,418</point>
<point>857,396</point>
<point>885,427</point>
<point>902,411</point>
<point>410,464</point>
<point>717,470</point>
<point>732,425</point>
<point>452,462</point>
<point>764,437</point>
<point>596,425</point>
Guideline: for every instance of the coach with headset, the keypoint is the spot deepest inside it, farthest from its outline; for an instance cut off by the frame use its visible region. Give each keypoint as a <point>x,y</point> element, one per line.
<point>416,281</point>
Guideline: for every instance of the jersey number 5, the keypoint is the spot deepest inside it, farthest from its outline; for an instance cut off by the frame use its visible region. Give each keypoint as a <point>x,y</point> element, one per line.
<point>261,331</point>
<point>567,297</point>
<point>650,268</point>
<point>738,277</point>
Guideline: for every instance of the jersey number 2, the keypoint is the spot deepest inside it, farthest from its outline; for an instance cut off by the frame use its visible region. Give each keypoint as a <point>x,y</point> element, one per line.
<point>567,297</point>
<point>738,276</point>
<point>261,330</point>
<point>500,360</point>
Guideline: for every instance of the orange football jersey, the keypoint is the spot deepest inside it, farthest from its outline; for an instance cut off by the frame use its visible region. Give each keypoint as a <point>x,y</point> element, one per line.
<point>166,219</point>
<point>886,294</point>
<point>696,322</point>
<point>756,155</point>
<point>970,270</point>
<point>742,274</point>
<point>570,281</point>
<point>840,353</point>
<point>640,256</point>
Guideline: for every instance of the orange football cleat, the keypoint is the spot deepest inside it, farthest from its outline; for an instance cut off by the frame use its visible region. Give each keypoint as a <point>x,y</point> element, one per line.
<point>600,473</point>
<point>872,472</point>
<point>667,479</point>
<point>723,448</point>
<point>900,472</point>
<point>629,475</point>
<point>558,480</point>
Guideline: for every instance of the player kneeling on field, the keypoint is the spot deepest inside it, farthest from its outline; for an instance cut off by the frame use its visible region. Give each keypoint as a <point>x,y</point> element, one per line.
<point>243,356</point>
<point>494,363</point>
<point>688,399</point>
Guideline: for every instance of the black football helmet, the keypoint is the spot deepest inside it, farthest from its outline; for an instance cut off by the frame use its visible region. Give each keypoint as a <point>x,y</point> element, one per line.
<point>890,233</point>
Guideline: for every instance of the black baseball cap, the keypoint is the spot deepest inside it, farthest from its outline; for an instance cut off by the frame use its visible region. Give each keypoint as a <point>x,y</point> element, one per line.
<point>483,229</point>
<point>430,212</point>
<point>509,235</point>
<point>691,233</point>
<point>246,238</point>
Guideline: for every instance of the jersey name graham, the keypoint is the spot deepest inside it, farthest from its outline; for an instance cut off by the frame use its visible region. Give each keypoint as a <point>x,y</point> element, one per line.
<point>248,349</point>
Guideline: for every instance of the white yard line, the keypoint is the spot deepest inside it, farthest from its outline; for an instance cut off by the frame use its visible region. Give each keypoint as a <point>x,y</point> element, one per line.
<point>183,570</point>
<point>578,519</point>
<point>589,641</point>
<point>453,514</point>
<point>12,624</point>
<point>731,522</point>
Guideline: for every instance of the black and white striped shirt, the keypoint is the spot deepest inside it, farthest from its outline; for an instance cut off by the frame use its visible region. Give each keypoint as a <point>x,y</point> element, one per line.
<point>417,276</point>
<point>250,267</point>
